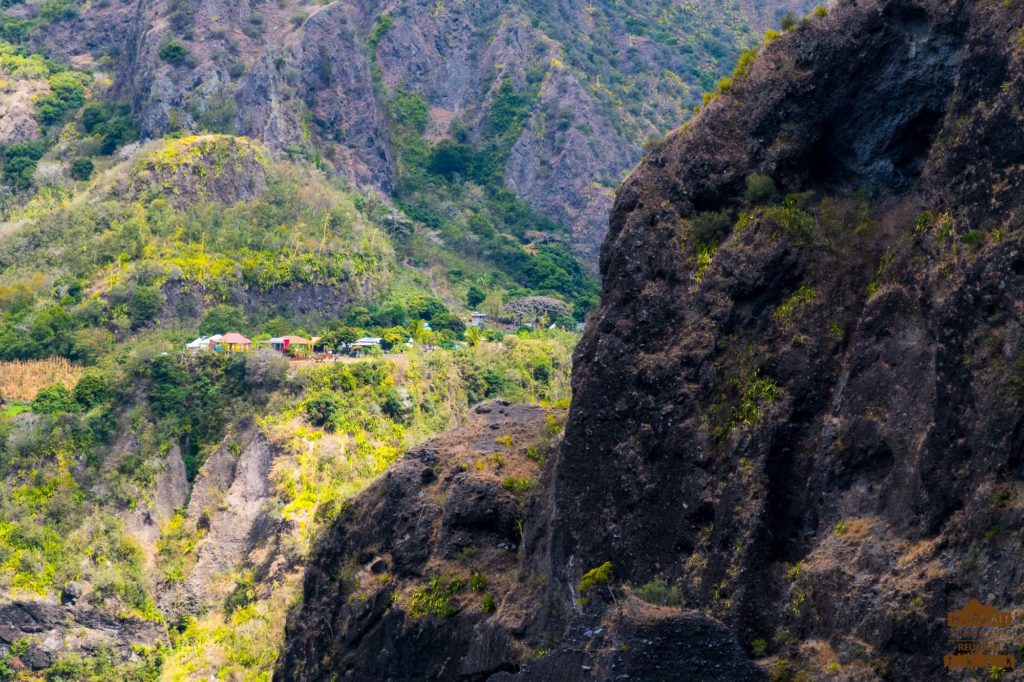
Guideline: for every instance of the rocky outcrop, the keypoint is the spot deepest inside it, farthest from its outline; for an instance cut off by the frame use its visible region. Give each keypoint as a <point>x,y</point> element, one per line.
<point>170,492</point>
<point>390,592</point>
<point>46,632</point>
<point>816,425</point>
<point>229,506</point>
<point>17,111</point>
<point>424,578</point>
<point>211,167</point>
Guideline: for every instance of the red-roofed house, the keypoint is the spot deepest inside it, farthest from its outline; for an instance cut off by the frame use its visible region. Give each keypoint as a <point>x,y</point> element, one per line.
<point>233,342</point>
<point>283,343</point>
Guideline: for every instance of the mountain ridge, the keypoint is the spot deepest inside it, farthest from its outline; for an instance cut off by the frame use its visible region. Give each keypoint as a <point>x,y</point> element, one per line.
<point>321,82</point>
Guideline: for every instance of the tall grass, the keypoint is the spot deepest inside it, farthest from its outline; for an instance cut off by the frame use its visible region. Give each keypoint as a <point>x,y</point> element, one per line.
<point>21,380</point>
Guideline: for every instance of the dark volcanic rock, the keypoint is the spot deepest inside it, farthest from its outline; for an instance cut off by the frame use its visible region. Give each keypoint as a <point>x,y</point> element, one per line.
<point>806,431</point>
<point>55,631</point>
<point>415,532</point>
<point>399,588</point>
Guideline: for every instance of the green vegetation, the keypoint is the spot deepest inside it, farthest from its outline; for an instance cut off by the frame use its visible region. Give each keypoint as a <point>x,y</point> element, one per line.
<point>744,395</point>
<point>517,485</point>
<point>115,265</point>
<point>437,599</point>
<point>660,593</point>
<point>67,93</point>
<point>456,189</point>
<point>596,578</point>
<point>478,582</point>
<point>117,274</point>
<point>784,313</point>
<point>761,189</point>
<point>380,29</point>
<point>173,52</point>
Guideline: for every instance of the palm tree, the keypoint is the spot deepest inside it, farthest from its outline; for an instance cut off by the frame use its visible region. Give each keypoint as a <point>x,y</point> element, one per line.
<point>417,330</point>
<point>474,336</point>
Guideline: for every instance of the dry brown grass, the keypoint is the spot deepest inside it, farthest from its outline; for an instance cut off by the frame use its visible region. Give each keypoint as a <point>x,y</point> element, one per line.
<point>21,380</point>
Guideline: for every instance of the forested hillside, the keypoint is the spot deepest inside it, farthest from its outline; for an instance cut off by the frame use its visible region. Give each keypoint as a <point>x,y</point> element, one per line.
<point>170,496</point>
<point>447,104</point>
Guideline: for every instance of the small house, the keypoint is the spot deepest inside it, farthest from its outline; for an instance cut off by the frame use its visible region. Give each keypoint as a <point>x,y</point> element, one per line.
<point>233,342</point>
<point>285,343</point>
<point>215,343</point>
<point>365,344</point>
<point>202,344</point>
<point>477,319</point>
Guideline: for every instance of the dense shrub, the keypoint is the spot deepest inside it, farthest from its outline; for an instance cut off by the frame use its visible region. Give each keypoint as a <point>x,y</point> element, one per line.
<point>761,189</point>
<point>265,368</point>
<point>711,227</point>
<point>82,169</point>
<point>321,407</point>
<point>475,296</point>
<point>661,593</point>
<point>92,389</point>
<point>20,161</point>
<point>173,52</point>
<point>53,400</point>
<point>223,318</point>
<point>145,302</point>
<point>67,93</point>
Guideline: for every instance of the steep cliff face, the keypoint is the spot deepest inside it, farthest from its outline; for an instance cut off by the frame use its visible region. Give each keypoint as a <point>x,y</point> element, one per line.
<point>816,425</point>
<point>797,417</point>
<point>322,81</point>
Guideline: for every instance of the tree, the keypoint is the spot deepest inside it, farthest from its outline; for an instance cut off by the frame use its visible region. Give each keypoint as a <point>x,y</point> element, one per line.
<point>173,52</point>
<point>51,330</point>
<point>474,336</point>
<point>82,169</point>
<point>144,304</point>
<point>418,330</point>
<point>534,308</point>
<point>265,368</point>
<point>475,296</point>
<point>393,406</point>
<point>426,307</point>
<point>221,319</point>
<point>276,326</point>
<point>494,303</point>
<point>321,406</point>
<point>94,115</point>
<point>91,343</point>
<point>20,161</point>
<point>395,336</point>
<point>451,158</point>
<point>53,399</point>
<point>448,321</point>
<point>67,93</point>
<point>92,389</point>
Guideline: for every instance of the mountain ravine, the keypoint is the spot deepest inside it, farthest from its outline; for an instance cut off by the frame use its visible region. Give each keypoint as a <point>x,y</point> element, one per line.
<point>327,81</point>
<point>796,431</point>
